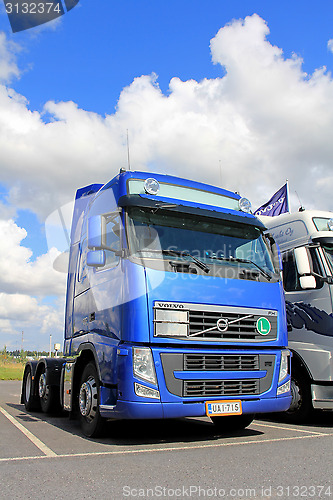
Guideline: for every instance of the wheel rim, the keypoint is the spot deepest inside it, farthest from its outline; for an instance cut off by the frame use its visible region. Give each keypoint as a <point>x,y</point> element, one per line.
<point>88,399</point>
<point>296,397</point>
<point>27,386</point>
<point>42,386</point>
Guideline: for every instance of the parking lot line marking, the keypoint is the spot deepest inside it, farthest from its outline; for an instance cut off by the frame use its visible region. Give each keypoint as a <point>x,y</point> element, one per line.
<point>17,459</point>
<point>296,429</point>
<point>37,442</point>
<point>170,448</point>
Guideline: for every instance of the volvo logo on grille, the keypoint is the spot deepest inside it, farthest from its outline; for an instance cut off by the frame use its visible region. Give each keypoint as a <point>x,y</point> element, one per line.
<point>222,325</point>
<point>171,305</point>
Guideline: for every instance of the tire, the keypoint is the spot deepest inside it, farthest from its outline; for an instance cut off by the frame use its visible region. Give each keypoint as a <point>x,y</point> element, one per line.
<point>301,405</point>
<point>233,422</point>
<point>49,395</point>
<point>30,401</point>
<point>92,424</point>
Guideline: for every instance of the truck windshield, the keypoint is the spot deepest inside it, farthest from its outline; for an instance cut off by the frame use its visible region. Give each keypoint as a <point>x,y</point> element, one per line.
<point>162,234</point>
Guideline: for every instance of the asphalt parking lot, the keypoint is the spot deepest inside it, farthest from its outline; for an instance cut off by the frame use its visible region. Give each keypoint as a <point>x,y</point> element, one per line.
<point>48,456</point>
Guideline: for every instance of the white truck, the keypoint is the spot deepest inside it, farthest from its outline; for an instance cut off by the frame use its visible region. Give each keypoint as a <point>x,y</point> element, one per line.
<point>305,239</point>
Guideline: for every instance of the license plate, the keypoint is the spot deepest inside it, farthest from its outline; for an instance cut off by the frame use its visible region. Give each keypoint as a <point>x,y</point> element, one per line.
<point>223,408</point>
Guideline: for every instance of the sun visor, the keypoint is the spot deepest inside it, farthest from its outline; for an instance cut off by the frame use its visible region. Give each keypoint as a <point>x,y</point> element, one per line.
<point>134,200</point>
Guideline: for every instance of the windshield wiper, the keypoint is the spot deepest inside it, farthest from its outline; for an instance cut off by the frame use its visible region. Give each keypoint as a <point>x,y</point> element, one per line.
<point>183,253</point>
<point>180,253</point>
<point>244,261</point>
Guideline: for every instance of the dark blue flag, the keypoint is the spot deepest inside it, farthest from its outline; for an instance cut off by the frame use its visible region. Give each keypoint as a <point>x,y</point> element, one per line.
<point>277,205</point>
<point>25,14</point>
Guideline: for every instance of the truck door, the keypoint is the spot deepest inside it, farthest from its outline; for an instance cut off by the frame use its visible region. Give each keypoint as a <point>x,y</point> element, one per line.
<point>81,297</point>
<point>309,312</point>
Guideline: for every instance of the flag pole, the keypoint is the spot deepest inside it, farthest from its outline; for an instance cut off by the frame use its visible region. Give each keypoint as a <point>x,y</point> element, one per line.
<point>288,196</point>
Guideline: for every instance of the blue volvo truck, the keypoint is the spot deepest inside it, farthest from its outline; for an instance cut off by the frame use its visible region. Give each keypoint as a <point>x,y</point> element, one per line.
<point>174,308</point>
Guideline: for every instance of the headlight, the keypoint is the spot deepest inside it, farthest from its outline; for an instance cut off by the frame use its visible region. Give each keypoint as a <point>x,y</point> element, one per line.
<point>143,364</point>
<point>284,366</point>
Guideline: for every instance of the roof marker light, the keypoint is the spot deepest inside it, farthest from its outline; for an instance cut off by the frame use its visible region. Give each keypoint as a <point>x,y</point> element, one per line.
<point>244,205</point>
<point>151,186</point>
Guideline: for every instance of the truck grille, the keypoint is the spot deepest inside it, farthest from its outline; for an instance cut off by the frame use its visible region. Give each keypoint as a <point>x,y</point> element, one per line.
<point>205,374</point>
<point>221,362</point>
<point>240,327</point>
<point>217,388</point>
<point>205,322</point>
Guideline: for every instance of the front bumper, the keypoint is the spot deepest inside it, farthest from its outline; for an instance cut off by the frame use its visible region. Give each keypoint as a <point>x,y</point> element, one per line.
<point>158,410</point>
<point>184,387</point>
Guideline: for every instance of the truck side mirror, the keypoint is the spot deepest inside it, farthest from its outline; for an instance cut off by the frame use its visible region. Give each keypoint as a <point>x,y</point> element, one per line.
<point>96,258</point>
<point>302,261</point>
<point>306,280</point>
<point>97,232</point>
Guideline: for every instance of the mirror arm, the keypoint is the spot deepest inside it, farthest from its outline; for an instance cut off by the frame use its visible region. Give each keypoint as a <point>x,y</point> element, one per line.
<point>123,253</point>
<point>325,279</point>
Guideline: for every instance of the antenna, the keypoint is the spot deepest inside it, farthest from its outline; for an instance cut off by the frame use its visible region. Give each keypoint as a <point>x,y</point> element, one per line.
<point>128,151</point>
<point>301,208</point>
<point>288,196</point>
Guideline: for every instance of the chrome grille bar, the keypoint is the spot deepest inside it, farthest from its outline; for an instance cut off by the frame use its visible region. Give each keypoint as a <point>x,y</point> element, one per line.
<point>226,362</point>
<point>219,388</point>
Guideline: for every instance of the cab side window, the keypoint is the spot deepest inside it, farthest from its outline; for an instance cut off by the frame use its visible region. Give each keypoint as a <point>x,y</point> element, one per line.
<point>316,267</point>
<point>82,283</point>
<point>112,240</point>
<point>83,261</point>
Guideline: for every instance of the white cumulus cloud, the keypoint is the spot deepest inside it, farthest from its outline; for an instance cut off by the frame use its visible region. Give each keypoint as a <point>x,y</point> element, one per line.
<point>18,273</point>
<point>23,313</point>
<point>330,45</point>
<point>8,66</point>
<point>262,121</point>
<point>26,286</point>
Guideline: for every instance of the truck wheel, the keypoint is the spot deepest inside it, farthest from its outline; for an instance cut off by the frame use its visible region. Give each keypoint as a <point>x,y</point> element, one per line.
<point>49,395</point>
<point>92,424</point>
<point>30,401</point>
<point>233,422</point>
<point>301,403</point>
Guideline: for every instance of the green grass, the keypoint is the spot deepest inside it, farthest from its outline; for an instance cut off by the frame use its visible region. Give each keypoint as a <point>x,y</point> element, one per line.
<point>11,370</point>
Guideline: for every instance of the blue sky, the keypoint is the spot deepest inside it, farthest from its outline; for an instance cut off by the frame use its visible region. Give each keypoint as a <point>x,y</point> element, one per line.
<point>101,46</point>
<point>97,55</point>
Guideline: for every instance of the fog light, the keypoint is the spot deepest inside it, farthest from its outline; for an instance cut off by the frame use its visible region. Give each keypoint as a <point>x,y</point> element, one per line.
<point>146,392</point>
<point>283,388</point>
